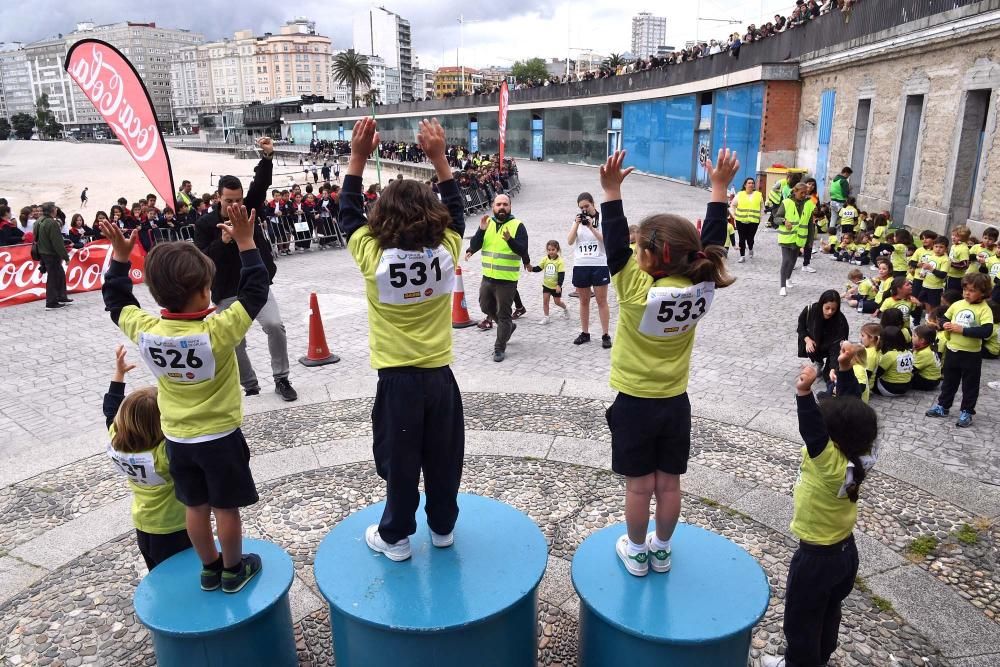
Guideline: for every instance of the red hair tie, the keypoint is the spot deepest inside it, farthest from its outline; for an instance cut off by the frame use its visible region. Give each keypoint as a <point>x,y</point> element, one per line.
<point>701,255</point>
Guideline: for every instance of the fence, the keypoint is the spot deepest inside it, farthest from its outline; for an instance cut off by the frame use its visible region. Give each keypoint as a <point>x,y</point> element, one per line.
<point>480,197</point>
<point>286,233</point>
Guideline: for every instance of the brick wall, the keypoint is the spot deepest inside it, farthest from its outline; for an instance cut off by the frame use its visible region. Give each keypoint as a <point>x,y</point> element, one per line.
<point>780,125</point>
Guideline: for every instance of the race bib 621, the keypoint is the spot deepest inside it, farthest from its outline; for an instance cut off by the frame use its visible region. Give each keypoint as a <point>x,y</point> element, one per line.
<point>413,276</point>
<point>184,359</point>
<point>671,311</point>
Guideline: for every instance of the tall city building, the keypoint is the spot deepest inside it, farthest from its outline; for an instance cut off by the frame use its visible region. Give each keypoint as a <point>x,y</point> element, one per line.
<point>39,68</point>
<point>648,33</point>
<point>379,32</point>
<point>448,80</point>
<point>230,73</point>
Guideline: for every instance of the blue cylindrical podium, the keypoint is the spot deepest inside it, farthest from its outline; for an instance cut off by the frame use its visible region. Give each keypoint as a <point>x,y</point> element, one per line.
<point>472,603</point>
<point>701,612</point>
<point>196,628</point>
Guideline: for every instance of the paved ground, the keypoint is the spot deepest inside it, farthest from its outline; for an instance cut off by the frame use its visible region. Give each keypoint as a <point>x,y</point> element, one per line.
<point>62,511</point>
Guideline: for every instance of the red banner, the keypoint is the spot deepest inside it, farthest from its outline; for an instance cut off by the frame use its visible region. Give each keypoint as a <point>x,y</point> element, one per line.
<point>117,92</point>
<point>20,281</point>
<point>502,121</point>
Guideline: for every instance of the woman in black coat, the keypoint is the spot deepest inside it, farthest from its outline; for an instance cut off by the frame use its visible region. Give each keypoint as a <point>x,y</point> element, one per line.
<point>822,328</point>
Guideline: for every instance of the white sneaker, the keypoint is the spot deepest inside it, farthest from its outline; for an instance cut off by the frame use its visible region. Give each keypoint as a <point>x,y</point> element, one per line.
<point>808,269</point>
<point>772,661</point>
<point>399,551</point>
<point>659,559</point>
<point>788,283</point>
<point>994,385</point>
<point>751,253</point>
<point>544,320</point>
<point>638,564</point>
<point>782,292</point>
<point>741,260</point>
<point>442,541</point>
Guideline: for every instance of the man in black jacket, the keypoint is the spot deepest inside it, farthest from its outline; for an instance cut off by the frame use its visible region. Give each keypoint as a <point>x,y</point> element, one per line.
<point>219,246</point>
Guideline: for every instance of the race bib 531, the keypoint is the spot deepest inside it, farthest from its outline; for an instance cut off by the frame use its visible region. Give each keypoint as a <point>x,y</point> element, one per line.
<point>184,359</point>
<point>413,276</point>
<point>671,311</point>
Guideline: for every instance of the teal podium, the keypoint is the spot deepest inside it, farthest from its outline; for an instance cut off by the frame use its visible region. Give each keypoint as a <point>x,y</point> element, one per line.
<point>196,628</point>
<point>472,603</point>
<point>700,613</point>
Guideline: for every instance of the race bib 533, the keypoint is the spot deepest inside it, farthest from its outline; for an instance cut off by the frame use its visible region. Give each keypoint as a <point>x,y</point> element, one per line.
<point>671,311</point>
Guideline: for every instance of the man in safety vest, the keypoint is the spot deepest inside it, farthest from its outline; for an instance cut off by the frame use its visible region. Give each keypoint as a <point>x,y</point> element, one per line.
<point>504,242</point>
<point>184,194</point>
<point>840,190</point>
<point>793,218</point>
<point>781,191</point>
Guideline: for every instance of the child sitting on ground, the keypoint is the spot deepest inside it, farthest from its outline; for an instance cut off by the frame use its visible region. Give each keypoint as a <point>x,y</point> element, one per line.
<point>895,364</point>
<point>193,358</point>
<point>662,295</point>
<point>553,271</point>
<point>968,321</point>
<point>839,436</point>
<point>851,294</point>
<point>139,453</point>
<point>926,362</point>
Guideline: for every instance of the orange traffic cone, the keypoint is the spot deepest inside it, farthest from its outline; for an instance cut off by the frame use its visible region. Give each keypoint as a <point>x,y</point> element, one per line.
<point>459,312</point>
<point>318,353</point>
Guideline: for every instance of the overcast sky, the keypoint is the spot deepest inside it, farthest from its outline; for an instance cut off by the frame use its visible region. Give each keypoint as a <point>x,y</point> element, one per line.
<point>496,33</point>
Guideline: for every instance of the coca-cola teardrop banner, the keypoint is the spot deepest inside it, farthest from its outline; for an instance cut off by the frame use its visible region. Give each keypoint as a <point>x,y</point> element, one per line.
<point>21,281</point>
<point>117,92</point>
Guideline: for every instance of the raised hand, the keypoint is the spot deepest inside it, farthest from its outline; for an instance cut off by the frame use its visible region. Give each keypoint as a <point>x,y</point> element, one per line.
<point>721,172</point>
<point>240,226</point>
<point>431,138</point>
<point>612,175</point>
<point>844,358</point>
<point>484,222</point>
<point>364,139</point>
<point>121,245</point>
<point>266,145</point>
<point>122,366</point>
<point>805,380</point>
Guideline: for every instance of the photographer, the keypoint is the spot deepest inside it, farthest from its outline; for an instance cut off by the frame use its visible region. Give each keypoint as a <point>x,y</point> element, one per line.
<point>590,268</point>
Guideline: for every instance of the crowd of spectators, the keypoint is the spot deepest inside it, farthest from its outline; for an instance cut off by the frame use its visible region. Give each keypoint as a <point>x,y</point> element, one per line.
<point>803,12</point>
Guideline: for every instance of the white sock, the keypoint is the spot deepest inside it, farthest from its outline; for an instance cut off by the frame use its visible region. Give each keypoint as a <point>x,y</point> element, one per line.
<point>658,545</point>
<point>634,548</point>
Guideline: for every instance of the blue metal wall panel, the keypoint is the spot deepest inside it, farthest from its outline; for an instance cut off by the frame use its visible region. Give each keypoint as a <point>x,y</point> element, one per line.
<point>659,135</point>
<point>738,114</point>
<point>826,111</point>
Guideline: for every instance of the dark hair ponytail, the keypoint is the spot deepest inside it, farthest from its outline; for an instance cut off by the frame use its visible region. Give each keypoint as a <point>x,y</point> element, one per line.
<point>854,487</point>
<point>853,427</point>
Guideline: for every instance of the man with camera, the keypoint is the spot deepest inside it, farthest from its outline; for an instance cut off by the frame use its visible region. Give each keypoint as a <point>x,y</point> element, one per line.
<point>590,268</point>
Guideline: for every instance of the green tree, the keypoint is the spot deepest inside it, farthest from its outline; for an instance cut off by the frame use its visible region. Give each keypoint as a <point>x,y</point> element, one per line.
<point>352,69</point>
<point>372,97</point>
<point>24,125</point>
<point>5,129</point>
<point>529,70</point>
<point>45,120</point>
<point>614,60</point>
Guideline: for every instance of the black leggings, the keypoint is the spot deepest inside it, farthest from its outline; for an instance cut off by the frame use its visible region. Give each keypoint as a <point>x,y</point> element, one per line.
<point>156,548</point>
<point>747,231</point>
<point>965,369</point>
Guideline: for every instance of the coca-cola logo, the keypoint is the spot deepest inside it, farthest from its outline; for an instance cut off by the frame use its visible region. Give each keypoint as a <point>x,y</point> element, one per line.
<point>504,101</point>
<point>134,123</point>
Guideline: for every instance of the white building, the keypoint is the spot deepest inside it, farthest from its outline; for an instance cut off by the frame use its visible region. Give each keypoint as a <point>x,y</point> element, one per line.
<point>15,86</point>
<point>379,32</point>
<point>648,33</point>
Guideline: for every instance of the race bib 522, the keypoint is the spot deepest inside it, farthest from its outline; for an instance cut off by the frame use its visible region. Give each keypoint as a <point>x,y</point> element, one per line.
<point>184,359</point>
<point>413,276</point>
<point>671,311</point>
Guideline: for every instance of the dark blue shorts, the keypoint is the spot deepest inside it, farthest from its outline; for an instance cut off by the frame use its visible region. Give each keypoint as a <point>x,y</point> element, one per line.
<point>215,473</point>
<point>932,297</point>
<point>591,276</point>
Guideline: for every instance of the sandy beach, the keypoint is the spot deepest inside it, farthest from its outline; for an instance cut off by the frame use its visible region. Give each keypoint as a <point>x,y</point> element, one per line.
<point>32,172</point>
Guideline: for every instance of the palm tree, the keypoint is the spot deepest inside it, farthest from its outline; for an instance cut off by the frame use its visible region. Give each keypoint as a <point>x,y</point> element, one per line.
<point>372,97</point>
<point>614,60</point>
<point>352,69</point>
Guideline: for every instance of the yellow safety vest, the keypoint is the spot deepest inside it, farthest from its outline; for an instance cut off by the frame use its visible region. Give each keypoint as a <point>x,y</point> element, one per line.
<point>777,192</point>
<point>799,232</point>
<point>499,261</point>
<point>748,207</point>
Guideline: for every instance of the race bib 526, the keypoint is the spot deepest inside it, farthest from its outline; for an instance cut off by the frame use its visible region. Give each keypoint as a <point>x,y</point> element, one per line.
<point>184,359</point>
<point>413,276</point>
<point>671,311</point>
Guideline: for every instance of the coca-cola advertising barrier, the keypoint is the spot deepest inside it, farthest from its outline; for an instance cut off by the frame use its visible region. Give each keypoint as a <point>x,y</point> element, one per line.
<point>502,119</point>
<point>117,92</point>
<point>20,281</point>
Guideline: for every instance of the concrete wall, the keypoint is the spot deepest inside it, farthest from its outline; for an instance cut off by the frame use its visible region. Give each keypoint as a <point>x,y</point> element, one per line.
<point>943,72</point>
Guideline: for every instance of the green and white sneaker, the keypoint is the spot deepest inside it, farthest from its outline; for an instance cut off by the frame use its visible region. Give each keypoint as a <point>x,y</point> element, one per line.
<point>250,567</point>
<point>659,559</point>
<point>636,564</point>
<point>210,579</point>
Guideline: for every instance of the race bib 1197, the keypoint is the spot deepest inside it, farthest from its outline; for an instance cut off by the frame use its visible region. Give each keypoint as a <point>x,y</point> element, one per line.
<point>413,276</point>
<point>671,311</point>
<point>186,359</point>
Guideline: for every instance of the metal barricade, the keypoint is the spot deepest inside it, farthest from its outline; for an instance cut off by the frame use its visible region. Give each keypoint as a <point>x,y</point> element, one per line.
<point>328,232</point>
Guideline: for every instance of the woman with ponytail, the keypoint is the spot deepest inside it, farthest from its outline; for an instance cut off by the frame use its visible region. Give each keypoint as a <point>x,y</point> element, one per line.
<point>839,436</point>
<point>662,295</point>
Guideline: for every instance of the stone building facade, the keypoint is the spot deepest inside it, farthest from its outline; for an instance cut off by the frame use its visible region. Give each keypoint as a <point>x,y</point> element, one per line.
<point>915,116</point>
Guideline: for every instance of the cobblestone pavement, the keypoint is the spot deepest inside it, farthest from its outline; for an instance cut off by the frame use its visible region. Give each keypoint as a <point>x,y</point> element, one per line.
<point>928,592</point>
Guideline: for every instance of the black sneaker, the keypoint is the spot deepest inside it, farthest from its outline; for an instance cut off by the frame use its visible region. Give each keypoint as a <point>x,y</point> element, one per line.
<point>606,342</point>
<point>513,328</point>
<point>252,392</point>
<point>55,306</point>
<point>249,568</point>
<point>65,302</point>
<point>581,339</point>
<point>210,579</point>
<point>284,387</point>
<point>499,356</point>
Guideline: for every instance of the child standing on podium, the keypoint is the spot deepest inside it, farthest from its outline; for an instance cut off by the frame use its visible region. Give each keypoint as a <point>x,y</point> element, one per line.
<point>839,436</point>
<point>662,295</point>
<point>407,250</point>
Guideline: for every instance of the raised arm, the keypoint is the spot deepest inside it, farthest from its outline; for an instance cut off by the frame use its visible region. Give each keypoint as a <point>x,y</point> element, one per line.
<point>116,392</point>
<point>713,229</point>
<point>432,142</point>
<point>615,223</point>
<point>257,192</point>
<point>117,289</point>
<point>364,140</point>
<point>811,426</point>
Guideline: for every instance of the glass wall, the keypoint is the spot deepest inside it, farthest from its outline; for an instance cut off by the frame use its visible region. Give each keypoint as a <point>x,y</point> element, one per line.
<point>577,134</point>
<point>518,134</point>
<point>302,133</point>
<point>738,113</point>
<point>659,135</point>
<point>489,133</point>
